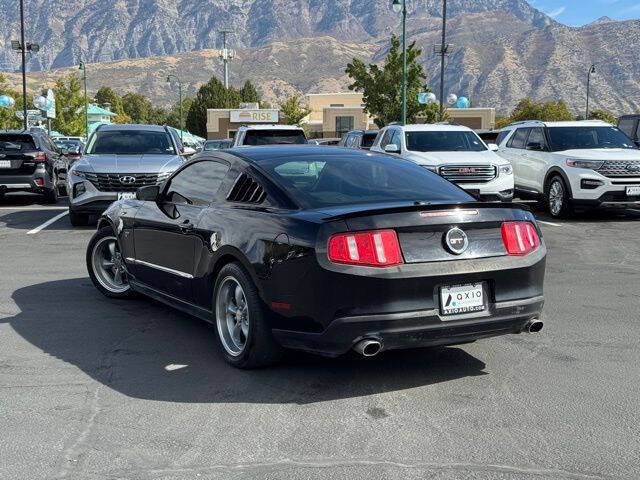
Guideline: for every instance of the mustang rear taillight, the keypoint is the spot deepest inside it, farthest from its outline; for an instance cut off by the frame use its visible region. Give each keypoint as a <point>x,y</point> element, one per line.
<point>520,238</point>
<point>377,248</point>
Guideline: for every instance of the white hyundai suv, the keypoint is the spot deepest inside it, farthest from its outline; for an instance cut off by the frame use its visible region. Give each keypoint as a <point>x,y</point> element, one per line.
<point>567,164</point>
<point>454,152</point>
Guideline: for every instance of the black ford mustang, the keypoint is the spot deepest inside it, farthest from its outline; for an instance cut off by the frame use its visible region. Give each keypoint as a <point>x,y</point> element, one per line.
<point>323,249</point>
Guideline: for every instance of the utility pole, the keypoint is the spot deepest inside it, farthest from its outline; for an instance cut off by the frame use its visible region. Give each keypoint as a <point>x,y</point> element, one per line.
<point>592,69</point>
<point>443,52</point>
<point>24,68</point>
<point>401,6</point>
<point>226,56</point>
<point>169,77</point>
<point>83,67</point>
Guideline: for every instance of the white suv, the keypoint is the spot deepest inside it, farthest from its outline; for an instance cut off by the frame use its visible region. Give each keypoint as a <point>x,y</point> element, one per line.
<point>455,153</point>
<point>586,162</point>
<point>269,135</point>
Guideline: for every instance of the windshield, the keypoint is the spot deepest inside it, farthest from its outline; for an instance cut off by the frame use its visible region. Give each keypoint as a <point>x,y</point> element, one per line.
<point>131,142</point>
<point>216,145</point>
<point>334,180</point>
<point>572,138</point>
<point>274,137</point>
<point>444,141</point>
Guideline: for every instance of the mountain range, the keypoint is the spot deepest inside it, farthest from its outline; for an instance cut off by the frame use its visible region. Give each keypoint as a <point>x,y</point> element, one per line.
<point>501,50</point>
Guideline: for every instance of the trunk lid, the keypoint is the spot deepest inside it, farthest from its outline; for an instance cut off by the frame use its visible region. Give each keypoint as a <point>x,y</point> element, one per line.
<point>422,229</point>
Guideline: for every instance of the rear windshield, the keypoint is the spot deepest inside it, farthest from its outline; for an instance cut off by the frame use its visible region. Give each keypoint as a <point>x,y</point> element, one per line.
<point>274,137</point>
<point>333,180</point>
<point>130,142</point>
<point>444,141</point>
<point>368,139</point>
<point>570,138</point>
<point>16,143</point>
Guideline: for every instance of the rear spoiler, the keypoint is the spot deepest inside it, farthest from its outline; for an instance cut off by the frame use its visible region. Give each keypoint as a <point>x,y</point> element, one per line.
<point>364,211</point>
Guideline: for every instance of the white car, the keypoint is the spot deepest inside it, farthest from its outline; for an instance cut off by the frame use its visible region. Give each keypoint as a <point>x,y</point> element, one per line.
<point>454,152</point>
<point>588,162</point>
<point>252,135</point>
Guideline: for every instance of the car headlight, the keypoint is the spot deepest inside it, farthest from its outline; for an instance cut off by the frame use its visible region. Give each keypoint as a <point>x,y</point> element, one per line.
<point>505,170</point>
<point>590,164</point>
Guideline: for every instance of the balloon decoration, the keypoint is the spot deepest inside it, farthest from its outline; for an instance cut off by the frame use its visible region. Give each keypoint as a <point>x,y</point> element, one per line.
<point>462,102</point>
<point>42,103</point>
<point>425,98</point>
<point>6,101</point>
<point>452,98</point>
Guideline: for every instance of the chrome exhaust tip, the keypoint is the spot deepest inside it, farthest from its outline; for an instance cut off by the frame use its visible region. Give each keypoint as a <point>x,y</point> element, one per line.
<point>534,326</point>
<point>368,347</point>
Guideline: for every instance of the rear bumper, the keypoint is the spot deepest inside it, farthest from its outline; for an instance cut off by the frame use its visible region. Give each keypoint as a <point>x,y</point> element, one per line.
<point>26,182</point>
<point>415,329</point>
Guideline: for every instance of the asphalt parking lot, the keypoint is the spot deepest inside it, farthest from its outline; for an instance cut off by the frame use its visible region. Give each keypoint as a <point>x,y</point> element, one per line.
<point>92,388</point>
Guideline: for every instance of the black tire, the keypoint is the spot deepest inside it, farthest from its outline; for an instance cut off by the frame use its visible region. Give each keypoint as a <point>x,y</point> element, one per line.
<point>51,196</point>
<point>557,198</point>
<point>98,237</point>
<point>78,219</point>
<point>260,348</point>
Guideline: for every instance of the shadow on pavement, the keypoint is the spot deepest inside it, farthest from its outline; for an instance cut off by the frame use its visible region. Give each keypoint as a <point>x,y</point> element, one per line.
<point>26,199</point>
<point>128,344</point>
<point>590,215</point>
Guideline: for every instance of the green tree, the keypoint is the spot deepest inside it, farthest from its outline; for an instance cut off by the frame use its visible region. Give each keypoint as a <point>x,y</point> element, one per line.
<point>107,98</point>
<point>604,115</point>
<point>69,106</point>
<point>210,95</point>
<point>137,107</point>
<point>173,115</point>
<point>550,111</point>
<point>294,111</point>
<point>249,94</point>
<point>382,87</point>
<point>8,119</point>
<point>157,116</point>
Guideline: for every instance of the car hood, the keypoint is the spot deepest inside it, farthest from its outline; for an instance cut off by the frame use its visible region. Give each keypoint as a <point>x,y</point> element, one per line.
<point>456,158</point>
<point>106,163</point>
<point>602,154</point>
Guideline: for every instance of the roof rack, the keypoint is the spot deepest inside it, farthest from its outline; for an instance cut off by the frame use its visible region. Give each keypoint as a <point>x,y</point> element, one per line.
<point>521,122</point>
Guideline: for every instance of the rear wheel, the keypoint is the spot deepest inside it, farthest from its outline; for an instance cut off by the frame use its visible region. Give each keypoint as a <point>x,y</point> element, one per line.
<point>78,219</point>
<point>106,266</point>
<point>51,196</point>
<point>557,198</point>
<point>243,331</point>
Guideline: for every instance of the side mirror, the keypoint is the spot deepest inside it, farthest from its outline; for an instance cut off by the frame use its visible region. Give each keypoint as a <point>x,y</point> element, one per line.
<point>493,147</point>
<point>391,148</point>
<point>148,193</point>
<point>536,146</point>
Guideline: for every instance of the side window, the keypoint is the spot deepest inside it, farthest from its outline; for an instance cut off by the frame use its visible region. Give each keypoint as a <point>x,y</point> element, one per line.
<point>396,139</point>
<point>626,125</point>
<point>501,136</point>
<point>197,184</point>
<point>350,141</point>
<point>386,138</point>
<point>637,137</point>
<point>537,136</point>
<point>519,138</point>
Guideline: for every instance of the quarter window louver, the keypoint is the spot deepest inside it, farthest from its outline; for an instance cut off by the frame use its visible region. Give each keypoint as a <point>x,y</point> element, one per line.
<point>246,190</point>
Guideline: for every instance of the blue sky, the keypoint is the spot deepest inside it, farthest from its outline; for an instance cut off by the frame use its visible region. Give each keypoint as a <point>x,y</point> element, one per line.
<point>580,12</point>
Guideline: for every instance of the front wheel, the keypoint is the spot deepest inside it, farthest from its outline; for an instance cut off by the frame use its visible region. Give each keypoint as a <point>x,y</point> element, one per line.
<point>106,265</point>
<point>557,198</point>
<point>243,331</point>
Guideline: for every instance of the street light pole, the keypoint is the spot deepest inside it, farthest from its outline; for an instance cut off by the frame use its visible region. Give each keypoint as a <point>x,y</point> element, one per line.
<point>24,68</point>
<point>169,77</point>
<point>397,6</point>
<point>443,52</point>
<point>592,69</point>
<point>83,67</point>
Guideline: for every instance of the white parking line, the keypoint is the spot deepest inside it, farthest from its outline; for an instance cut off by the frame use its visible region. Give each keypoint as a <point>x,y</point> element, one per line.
<point>549,223</point>
<point>47,223</point>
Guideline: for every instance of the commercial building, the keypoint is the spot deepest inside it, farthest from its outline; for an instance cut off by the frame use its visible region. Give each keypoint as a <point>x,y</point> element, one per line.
<point>332,114</point>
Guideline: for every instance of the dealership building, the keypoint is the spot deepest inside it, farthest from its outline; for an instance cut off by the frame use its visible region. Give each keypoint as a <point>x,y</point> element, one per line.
<point>332,114</point>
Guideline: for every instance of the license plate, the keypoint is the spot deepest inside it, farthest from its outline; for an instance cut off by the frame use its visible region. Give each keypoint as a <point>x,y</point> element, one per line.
<point>458,299</point>
<point>632,191</point>
<point>5,163</point>
<point>126,195</point>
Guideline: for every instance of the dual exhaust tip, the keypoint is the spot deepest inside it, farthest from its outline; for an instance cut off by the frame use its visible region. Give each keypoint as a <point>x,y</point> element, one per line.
<point>370,347</point>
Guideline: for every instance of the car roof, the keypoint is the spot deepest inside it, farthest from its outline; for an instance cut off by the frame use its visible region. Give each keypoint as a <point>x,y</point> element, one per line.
<point>433,127</point>
<point>268,152</point>
<point>120,126</point>
<point>570,123</point>
<point>271,127</point>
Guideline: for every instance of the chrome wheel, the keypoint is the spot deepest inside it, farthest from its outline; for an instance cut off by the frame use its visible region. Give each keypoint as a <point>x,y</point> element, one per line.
<point>108,265</point>
<point>232,314</point>
<point>556,197</point>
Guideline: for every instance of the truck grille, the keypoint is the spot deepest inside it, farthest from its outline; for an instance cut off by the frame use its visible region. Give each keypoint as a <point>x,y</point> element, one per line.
<point>620,168</point>
<point>468,173</point>
<point>123,182</point>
